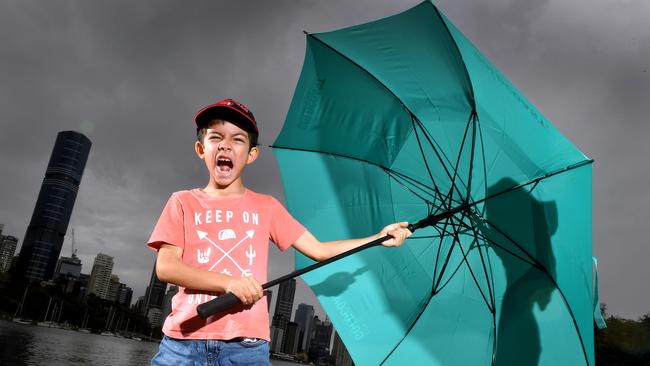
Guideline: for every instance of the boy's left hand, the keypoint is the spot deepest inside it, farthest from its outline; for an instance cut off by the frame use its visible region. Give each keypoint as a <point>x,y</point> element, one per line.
<point>399,233</point>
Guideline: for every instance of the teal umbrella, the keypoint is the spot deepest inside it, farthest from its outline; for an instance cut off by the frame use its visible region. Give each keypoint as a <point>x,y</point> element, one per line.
<point>404,119</point>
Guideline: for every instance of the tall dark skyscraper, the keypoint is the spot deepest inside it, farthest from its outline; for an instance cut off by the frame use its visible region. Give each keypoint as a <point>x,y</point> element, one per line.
<point>285,304</point>
<point>155,295</point>
<point>283,308</point>
<point>320,344</point>
<point>46,231</point>
<point>305,319</point>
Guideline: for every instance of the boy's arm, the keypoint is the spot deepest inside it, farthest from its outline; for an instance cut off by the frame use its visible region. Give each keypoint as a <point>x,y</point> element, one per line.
<point>308,245</point>
<point>171,269</point>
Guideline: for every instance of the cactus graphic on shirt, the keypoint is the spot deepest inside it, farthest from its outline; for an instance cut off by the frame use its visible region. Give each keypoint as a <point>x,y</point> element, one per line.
<point>250,254</point>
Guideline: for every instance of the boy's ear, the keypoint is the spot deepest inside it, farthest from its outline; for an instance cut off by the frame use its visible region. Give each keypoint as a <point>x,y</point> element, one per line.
<point>252,155</point>
<point>199,149</point>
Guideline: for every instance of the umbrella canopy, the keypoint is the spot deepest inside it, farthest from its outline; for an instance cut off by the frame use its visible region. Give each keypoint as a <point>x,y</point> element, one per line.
<point>404,119</point>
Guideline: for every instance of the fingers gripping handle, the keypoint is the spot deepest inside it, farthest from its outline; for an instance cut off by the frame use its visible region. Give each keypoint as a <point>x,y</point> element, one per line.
<point>218,305</point>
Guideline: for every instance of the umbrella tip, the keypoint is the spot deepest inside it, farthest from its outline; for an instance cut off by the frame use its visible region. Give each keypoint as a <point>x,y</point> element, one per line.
<point>306,33</point>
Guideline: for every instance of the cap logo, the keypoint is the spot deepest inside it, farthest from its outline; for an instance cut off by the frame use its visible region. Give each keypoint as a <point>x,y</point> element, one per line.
<point>243,107</point>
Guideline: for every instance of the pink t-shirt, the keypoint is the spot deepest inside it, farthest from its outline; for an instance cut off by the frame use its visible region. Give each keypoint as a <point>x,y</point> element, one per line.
<point>229,236</point>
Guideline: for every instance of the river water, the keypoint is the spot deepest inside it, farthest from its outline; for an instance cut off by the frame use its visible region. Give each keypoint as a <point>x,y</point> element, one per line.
<point>31,345</point>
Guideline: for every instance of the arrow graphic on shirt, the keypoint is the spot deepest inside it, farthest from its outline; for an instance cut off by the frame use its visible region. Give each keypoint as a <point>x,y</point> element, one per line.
<point>203,235</point>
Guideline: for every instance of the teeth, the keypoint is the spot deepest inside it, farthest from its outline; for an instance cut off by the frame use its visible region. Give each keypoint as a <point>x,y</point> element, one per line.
<point>224,162</point>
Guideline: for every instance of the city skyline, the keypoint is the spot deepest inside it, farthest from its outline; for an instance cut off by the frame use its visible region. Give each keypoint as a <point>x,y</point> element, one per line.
<point>134,89</point>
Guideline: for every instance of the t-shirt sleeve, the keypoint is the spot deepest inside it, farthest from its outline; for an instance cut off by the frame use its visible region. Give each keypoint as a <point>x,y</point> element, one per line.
<point>285,229</point>
<point>169,228</point>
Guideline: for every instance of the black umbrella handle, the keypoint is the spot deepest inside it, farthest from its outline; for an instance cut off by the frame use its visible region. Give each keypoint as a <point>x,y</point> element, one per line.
<point>228,300</point>
<point>218,305</point>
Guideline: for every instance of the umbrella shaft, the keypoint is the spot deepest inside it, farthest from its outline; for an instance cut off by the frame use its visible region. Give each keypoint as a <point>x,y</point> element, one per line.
<point>325,262</point>
<point>434,219</point>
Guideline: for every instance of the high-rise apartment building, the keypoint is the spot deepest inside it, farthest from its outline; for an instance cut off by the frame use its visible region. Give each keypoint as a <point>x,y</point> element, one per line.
<point>322,336</point>
<point>100,277</point>
<point>8,246</point>
<point>291,339</point>
<point>124,295</point>
<point>167,302</point>
<point>284,304</point>
<point>155,295</point>
<point>155,317</point>
<point>305,319</point>
<point>44,237</point>
<point>113,288</point>
<point>68,267</point>
<point>277,335</point>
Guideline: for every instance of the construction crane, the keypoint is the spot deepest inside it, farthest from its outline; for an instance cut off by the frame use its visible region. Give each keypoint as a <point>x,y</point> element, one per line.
<point>73,250</point>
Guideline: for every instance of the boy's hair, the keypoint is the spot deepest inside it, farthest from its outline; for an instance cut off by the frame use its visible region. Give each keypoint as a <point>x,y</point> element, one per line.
<point>200,132</point>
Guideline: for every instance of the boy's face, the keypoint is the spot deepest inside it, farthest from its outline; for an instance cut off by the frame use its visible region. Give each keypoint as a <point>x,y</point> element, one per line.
<point>226,151</point>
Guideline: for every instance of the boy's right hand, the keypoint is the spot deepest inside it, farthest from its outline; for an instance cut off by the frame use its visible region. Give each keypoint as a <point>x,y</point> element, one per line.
<point>247,289</point>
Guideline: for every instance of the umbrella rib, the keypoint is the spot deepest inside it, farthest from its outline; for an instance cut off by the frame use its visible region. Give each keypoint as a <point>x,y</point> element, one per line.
<point>532,181</point>
<point>544,270</point>
<point>489,279</point>
<point>531,260</point>
<point>353,62</point>
<point>460,56</point>
<point>430,140</point>
<point>424,157</point>
<point>446,262</point>
<point>421,186</point>
<point>474,119</point>
<point>397,176</point>
<point>480,134</point>
<point>329,153</point>
<point>460,154</point>
<point>477,125</point>
<point>535,180</point>
<point>490,305</point>
<point>435,281</point>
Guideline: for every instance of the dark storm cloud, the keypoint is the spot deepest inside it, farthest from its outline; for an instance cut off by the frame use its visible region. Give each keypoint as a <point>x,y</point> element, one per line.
<point>131,75</point>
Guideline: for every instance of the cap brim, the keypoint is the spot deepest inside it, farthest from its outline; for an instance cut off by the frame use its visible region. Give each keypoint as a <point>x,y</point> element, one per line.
<point>226,114</point>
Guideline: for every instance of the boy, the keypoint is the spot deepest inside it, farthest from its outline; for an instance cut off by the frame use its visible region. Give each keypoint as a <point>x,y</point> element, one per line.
<point>214,240</point>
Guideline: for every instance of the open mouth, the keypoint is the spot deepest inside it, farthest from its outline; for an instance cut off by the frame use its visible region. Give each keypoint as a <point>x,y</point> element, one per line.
<point>224,165</point>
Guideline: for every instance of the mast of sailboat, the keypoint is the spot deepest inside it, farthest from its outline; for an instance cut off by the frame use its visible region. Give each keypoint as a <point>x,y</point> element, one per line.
<point>58,317</point>
<point>19,310</point>
<point>85,321</point>
<point>48,309</point>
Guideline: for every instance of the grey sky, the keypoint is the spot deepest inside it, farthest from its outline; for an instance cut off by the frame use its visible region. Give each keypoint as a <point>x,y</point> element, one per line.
<point>131,75</point>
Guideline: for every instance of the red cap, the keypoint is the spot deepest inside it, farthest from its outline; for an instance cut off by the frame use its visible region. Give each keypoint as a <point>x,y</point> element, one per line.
<point>228,110</point>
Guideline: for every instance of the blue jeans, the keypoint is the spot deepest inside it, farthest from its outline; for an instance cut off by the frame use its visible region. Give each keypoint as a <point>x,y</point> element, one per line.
<point>205,352</point>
